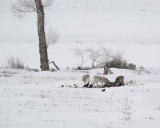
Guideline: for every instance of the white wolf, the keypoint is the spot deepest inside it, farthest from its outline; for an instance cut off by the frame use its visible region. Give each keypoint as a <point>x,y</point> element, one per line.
<point>100,79</point>
<point>86,78</point>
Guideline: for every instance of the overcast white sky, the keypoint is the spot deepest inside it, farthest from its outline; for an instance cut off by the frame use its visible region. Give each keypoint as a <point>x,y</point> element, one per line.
<point>91,20</point>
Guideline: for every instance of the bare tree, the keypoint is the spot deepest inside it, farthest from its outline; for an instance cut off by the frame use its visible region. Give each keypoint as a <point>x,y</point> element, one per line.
<point>94,55</point>
<point>21,8</point>
<point>79,53</point>
<point>52,36</point>
<point>105,56</point>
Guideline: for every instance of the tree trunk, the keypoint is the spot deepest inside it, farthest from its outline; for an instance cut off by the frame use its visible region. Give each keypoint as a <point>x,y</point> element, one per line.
<point>93,66</point>
<point>41,34</point>
<point>107,71</point>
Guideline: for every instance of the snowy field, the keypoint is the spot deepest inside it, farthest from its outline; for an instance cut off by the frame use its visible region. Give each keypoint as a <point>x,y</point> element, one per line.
<point>36,99</point>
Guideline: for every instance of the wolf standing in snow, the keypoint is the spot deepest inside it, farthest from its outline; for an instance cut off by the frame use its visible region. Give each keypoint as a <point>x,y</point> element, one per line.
<point>119,81</point>
<point>86,79</point>
<point>100,79</point>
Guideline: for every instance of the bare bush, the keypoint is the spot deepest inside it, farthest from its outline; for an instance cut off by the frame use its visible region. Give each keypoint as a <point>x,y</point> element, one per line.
<point>118,56</point>
<point>83,68</point>
<point>117,61</point>
<point>15,63</point>
<point>31,69</point>
<point>9,72</point>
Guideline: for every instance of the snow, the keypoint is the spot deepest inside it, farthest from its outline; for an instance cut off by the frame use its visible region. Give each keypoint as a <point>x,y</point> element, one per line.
<point>36,99</point>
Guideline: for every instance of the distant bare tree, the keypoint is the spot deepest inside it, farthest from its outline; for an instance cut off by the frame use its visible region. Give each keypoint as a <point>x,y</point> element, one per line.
<point>21,8</point>
<point>94,55</point>
<point>106,56</point>
<point>52,36</point>
<point>79,53</point>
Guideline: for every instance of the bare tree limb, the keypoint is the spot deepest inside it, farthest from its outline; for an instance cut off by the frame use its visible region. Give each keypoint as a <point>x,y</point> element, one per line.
<point>52,36</point>
<point>22,7</point>
<point>106,56</point>
<point>79,53</point>
<point>94,55</point>
<point>55,64</point>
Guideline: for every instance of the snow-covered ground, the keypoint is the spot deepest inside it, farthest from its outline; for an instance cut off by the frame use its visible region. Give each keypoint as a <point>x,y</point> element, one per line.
<point>36,99</point>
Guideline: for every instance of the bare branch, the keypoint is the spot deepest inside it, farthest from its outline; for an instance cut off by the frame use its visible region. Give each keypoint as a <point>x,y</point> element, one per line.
<point>22,7</point>
<point>94,55</point>
<point>55,65</point>
<point>106,55</point>
<point>79,53</point>
<point>52,36</point>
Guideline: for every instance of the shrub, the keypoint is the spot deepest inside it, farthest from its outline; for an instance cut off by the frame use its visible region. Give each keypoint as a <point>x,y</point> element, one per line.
<point>15,63</point>
<point>32,69</point>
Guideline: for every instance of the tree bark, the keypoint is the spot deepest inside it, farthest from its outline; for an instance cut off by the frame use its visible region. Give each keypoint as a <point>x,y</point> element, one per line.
<point>107,71</point>
<point>41,34</point>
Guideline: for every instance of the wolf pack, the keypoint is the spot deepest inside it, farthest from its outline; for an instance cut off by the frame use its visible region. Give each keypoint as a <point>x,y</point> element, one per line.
<point>98,82</point>
<point>101,81</point>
